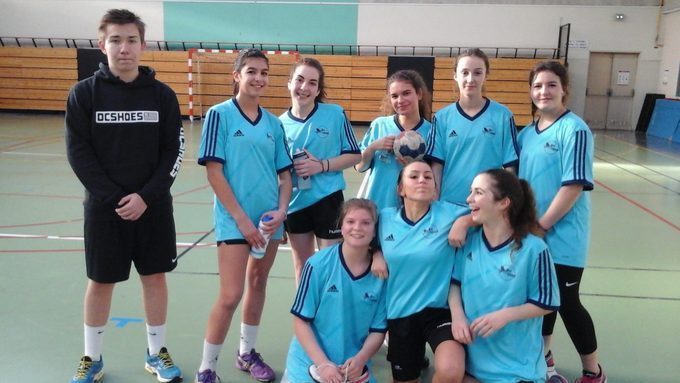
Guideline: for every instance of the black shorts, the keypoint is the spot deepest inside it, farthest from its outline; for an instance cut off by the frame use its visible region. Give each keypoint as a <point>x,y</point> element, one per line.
<point>408,335</point>
<point>113,244</point>
<point>321,218</point>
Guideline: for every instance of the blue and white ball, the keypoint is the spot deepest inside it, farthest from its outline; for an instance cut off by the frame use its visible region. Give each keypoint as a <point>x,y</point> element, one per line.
<point>409,146</point>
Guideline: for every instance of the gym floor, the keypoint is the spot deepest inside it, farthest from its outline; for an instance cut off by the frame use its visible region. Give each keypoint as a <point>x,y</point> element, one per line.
<point>630,287</point>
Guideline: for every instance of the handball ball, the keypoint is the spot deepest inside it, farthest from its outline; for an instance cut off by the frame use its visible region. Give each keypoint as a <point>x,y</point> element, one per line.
<point>409,146</point>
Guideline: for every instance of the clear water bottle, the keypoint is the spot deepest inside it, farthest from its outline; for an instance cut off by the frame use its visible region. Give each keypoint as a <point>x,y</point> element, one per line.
<point>258,252</point>
<point>303,183</point>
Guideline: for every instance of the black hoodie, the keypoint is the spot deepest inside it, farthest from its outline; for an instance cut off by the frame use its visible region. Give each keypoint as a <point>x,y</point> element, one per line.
<point>124,138</point>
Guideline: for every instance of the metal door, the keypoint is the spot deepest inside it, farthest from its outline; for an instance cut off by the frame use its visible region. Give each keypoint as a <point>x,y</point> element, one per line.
<point>610,90</point>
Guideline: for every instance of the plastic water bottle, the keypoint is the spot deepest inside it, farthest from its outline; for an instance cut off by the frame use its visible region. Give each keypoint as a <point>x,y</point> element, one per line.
<point>258,252</point>
<point>303,183</point>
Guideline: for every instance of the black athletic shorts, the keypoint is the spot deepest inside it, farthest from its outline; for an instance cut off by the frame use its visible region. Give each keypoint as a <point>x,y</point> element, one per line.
<point>113,244</point>
<point>321,218</point>
<point>406,349</point>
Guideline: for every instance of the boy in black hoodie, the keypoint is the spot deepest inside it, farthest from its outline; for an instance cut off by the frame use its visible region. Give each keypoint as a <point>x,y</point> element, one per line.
<point>125,143</point>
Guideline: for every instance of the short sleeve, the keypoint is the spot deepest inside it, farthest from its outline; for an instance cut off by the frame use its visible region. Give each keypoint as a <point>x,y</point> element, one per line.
<point>577,158</point>
<point>283,160</point>
<point>379,323</point>
<point>458,265</point>
<point>510,146</point>
<point>213,139</point>
<point>349,141</point>
<point>308,296</point>
<point>436,142</point>
<point>543,286</point>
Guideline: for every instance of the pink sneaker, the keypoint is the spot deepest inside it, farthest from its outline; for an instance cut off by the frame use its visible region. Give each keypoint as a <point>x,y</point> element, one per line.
<point>252,362</point>
<point>590,378</point>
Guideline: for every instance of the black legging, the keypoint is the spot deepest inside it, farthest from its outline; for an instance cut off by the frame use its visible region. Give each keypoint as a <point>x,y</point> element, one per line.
<point>576,319</point>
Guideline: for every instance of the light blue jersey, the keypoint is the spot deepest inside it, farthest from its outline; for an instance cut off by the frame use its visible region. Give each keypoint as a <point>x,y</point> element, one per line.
<point>419,258</point>
<point>381,186</point>
<point>495,278</point>
<point>341,308</point>
<point>326,133</point>
<point>253,153</point>
<point>467,145</point>
<point>558,156</point>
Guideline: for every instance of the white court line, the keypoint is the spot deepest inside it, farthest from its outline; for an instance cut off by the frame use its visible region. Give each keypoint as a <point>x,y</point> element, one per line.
<point>80,239</point>
<point>34,154</point>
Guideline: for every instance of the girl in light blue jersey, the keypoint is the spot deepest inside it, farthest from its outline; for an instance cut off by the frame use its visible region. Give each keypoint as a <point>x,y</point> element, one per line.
<point>407,104</point>
<point>322,143</point>
<point>413,238</point>
<point>556,158</point>
<point>504,282</point>
<point>472,134</point>
<point>244,150</point>
<point>339,309</point>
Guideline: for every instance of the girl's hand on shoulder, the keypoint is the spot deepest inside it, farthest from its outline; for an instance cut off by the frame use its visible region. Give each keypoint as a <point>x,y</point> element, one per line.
<point>379,266</point>
<point>461,331</point>
<point>489,324</point>
<point>458,233</point>
<point>250,232</point>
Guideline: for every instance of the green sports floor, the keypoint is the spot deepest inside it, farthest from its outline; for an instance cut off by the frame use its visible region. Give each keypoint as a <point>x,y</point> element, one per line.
<point>631,288</point>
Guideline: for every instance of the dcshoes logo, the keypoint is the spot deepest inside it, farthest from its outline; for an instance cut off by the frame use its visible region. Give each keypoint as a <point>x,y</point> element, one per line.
<point>126,117</point>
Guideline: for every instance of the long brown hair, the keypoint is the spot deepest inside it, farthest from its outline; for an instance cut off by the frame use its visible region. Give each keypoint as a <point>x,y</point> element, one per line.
<point>243,56</point>
<point>559,70</point>
<point>416,80</point>
<point>522,209</point>
<point>314,63</point>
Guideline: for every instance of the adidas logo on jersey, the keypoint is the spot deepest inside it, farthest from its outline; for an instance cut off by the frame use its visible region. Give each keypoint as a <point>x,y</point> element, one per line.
<point>238,133</point>
<point>453,134</point>
<point>389,238</point>
<point>430,230</point>
<point>333,289</point>
<point>469,256</point>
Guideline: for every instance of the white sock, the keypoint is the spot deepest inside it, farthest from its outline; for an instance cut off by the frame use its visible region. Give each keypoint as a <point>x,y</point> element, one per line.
<point>210,354</point>
<point>155,336</point>
<point>248,338</point>
<point>94,339</point>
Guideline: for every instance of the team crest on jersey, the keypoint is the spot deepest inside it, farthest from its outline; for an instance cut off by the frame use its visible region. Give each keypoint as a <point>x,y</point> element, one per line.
<point>384,156</point>
<point>126,117</point>
<point>321,132</point>
<point>369,296</point>
<point>430,230</point>
<point>551,147</point>
<point>506,272</point>
<point>489,131</point>
<point>270,137</point>
<point>453,134</point>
